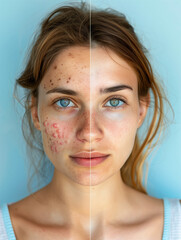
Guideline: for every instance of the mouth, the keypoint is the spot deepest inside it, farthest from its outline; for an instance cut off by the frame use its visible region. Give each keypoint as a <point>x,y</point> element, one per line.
<point>89,159</point>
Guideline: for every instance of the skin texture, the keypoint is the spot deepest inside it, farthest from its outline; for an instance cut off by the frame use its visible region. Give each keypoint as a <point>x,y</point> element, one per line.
<point>88,124</point>
<point>90,200</point>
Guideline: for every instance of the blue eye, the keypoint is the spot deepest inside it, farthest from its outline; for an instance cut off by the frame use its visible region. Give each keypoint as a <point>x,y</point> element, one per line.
<point>64,103</point>
<point>115,102</point>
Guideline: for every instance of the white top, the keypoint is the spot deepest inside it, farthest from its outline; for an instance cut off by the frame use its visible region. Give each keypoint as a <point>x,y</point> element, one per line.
<point>171,230</point>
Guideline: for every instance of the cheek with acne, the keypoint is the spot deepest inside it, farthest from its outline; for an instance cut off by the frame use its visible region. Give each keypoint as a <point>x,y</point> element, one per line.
<point>56,135</point>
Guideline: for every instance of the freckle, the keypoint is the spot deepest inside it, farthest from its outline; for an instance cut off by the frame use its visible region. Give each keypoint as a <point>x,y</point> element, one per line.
<point>55,125</point>
<point>61,64</point>
<point>50,80</point>
<point>59,79</point>
<point>52,84</point>
<point>67,81</point>
<point>55,67</point>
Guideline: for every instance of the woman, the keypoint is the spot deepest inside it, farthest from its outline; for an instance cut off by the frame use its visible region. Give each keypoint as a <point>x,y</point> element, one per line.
<point>89,86</point>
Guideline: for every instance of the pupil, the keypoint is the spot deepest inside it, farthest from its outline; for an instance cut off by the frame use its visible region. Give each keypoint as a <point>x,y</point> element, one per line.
<point>114,102</point>
<point>65,102</point>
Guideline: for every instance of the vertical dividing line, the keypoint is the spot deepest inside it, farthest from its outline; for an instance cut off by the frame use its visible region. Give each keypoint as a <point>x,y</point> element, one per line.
<point>90,113</point>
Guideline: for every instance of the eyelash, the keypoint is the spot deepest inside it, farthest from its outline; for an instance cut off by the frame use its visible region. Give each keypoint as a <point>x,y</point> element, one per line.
<point>111,107</point>
<point>116,98</point>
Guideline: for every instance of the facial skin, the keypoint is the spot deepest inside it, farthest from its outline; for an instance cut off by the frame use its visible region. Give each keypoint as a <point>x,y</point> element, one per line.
<point>88,123</point>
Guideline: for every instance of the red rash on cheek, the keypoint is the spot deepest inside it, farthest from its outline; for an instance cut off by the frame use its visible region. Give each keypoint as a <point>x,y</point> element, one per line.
<point>55,134</point>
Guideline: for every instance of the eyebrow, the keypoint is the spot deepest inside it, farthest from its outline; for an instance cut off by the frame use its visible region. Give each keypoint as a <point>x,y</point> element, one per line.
<point>105,90</point>
<point>115,89</point>
<point>62,90</point>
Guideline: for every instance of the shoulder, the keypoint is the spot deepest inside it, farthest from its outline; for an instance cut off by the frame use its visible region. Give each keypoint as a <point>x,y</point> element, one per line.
<point>149,205</point>
<point>26,215</point>
<point>27,208</point>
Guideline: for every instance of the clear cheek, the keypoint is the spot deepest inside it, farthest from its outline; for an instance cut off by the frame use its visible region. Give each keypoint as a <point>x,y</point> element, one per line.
<point>113,115</point>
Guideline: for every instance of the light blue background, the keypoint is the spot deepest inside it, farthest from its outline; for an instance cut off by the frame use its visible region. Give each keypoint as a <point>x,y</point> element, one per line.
<point>158,24</point>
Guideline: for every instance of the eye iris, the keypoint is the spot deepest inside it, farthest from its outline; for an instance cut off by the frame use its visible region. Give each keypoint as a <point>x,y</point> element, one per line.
<point>114,102</point>
<point>64,102</point>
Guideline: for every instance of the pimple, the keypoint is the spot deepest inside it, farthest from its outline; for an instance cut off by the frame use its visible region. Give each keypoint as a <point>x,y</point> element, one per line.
<point>55,125</point>
<point>54,135</point>
<point>46,123</point>
<point>54,148</point>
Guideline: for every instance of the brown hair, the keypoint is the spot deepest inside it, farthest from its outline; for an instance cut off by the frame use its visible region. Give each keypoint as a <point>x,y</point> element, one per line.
<point>77,25</point>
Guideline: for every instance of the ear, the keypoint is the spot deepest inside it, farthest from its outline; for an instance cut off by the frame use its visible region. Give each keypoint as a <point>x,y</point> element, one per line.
<point>34,112</point>
<point>144,103</point>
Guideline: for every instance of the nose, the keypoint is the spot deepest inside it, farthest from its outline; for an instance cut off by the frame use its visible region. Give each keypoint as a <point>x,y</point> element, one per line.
<point>88,128</point>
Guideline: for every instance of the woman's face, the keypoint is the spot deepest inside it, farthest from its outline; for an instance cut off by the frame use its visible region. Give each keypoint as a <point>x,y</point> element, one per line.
<point>88,117</point>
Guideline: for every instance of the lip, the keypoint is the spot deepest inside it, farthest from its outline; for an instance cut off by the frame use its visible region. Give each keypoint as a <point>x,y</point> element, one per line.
<point>88,159</point>
<point>89,155</point>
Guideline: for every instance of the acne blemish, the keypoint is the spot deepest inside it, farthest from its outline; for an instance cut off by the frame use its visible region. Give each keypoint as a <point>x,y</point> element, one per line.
<point>54,148</point>
<point>46,123</point>
<point>54,135</point>
<point>55,125</point>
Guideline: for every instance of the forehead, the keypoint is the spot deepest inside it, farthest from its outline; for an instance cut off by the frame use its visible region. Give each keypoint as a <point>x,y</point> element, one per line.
<point>81,66</point>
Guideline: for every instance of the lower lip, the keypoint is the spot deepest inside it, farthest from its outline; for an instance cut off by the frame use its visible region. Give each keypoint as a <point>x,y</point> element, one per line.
<point>87,162</point>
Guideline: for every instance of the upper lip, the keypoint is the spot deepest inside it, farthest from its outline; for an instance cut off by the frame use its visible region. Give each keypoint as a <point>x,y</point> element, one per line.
<point>89,155</point>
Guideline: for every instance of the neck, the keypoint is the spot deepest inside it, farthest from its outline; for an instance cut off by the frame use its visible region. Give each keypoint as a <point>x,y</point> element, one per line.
<point>99,203</point>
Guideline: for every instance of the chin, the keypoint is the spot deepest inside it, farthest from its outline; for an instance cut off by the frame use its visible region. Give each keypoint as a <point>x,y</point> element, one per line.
<point>89,180</point>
